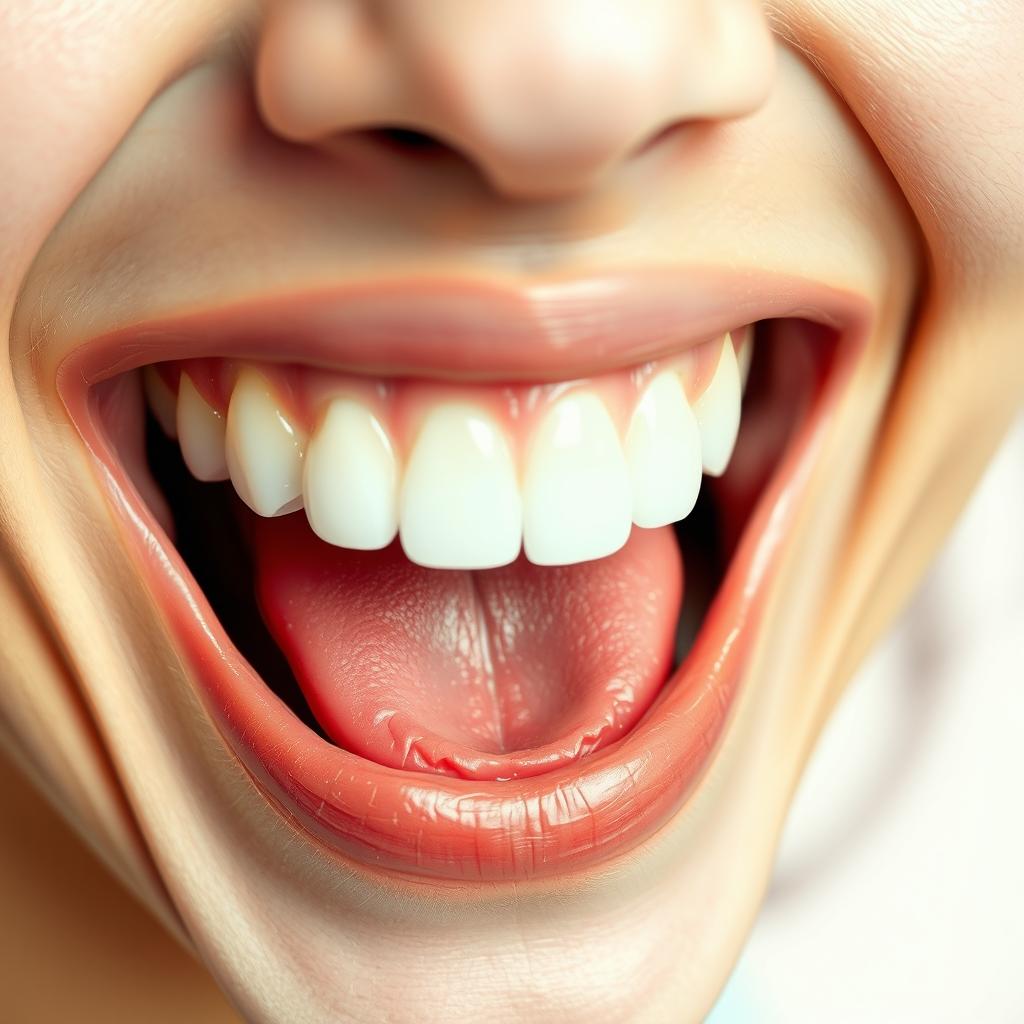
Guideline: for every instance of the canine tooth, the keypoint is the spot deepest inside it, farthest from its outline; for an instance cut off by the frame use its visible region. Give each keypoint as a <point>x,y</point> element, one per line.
<point>350,479</point>
<point>264,449</point>
<point>718,412</point>
<point>744,358</point>
<point>460,506</point>
<point>161,400</point>
<point>200,433</point>
<point>577,503</point>
<point>663,454</point>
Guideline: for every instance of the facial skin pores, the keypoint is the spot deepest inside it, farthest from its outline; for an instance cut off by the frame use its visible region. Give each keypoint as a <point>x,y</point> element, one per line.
<point>455,456</point>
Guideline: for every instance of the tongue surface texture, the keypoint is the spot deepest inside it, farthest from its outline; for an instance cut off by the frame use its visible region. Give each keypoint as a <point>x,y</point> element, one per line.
<point>499,674</point>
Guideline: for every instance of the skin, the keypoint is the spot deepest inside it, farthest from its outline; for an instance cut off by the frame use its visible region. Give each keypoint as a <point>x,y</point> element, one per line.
<point>139,180</point>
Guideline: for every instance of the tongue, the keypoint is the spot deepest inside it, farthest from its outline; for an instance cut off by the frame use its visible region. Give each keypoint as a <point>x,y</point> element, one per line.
<point>498,674</point>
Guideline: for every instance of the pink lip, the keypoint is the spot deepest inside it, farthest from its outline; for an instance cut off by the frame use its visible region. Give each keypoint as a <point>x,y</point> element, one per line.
<point>423,326</point>
<point>437,826</point>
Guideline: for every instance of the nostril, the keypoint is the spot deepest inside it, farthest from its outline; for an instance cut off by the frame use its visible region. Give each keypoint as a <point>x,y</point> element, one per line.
<point>406,139</point>
<point>398,146</point>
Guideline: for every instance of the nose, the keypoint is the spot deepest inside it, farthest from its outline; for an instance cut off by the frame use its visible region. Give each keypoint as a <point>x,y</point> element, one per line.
<point>545,97</point>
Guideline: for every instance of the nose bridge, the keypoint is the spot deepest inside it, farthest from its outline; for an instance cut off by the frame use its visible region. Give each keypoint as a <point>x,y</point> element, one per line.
<point>543,95</point>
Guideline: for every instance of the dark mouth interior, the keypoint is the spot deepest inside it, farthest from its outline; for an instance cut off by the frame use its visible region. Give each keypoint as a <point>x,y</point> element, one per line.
<point>787,370</point>
<point>208,539</point>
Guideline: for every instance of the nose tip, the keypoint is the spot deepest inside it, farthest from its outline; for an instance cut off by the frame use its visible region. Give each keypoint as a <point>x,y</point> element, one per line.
<point>545,97</point>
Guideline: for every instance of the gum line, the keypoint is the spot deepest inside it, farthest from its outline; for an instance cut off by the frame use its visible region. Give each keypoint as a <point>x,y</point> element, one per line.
<point>401,404</point>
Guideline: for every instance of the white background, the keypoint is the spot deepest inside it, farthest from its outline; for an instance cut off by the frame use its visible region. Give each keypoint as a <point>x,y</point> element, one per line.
<point>899,890</point>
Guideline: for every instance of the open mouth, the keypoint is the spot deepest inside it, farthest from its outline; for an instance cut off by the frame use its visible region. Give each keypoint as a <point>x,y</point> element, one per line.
<point>469,585</point>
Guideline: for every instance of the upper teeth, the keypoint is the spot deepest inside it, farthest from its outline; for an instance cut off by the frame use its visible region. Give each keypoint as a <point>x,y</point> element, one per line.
<point>718,413</point>
<point>468,494</point>
<point>350,480</point>
<point>264,448</point>
<point>200,430</point>
<point>663,449</point>
<point>460,505</point>
<point>576,485</point>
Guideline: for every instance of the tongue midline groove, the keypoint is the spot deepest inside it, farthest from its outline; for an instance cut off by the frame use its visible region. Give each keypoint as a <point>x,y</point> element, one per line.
<point>492,674</point>
<point>465,476</point>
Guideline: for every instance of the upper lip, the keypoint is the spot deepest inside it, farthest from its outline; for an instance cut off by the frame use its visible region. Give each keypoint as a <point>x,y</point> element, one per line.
<point>478,329</point>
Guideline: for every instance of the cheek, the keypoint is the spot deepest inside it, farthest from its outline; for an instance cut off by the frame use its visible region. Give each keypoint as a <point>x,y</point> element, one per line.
<point>937,84</point>
<point>74,74</point>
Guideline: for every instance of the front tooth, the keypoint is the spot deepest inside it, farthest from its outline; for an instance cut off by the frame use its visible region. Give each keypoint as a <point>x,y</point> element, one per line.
<point>663,454</point>
<point>161,400</point>
<point>264,449</point>
<point>460,506</point>
<point>576,492</point>
<point>718,412</point>
<point>350,479</point>
<point>200,433</point>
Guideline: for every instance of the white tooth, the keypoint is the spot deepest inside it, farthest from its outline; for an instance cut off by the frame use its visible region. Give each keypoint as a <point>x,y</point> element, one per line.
<point>744,358</point>
<point>161,400</point>
<point>350,479</point>
<point>663,454</point>
<point>264,449</point>
<point>577,501</point>
<point>460,504</point>
<point>718,412</point>
<point>200,433</point>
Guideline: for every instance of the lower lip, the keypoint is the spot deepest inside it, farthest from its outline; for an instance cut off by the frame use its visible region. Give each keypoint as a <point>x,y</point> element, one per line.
<point>467,830</point>
<point>464,830</point>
